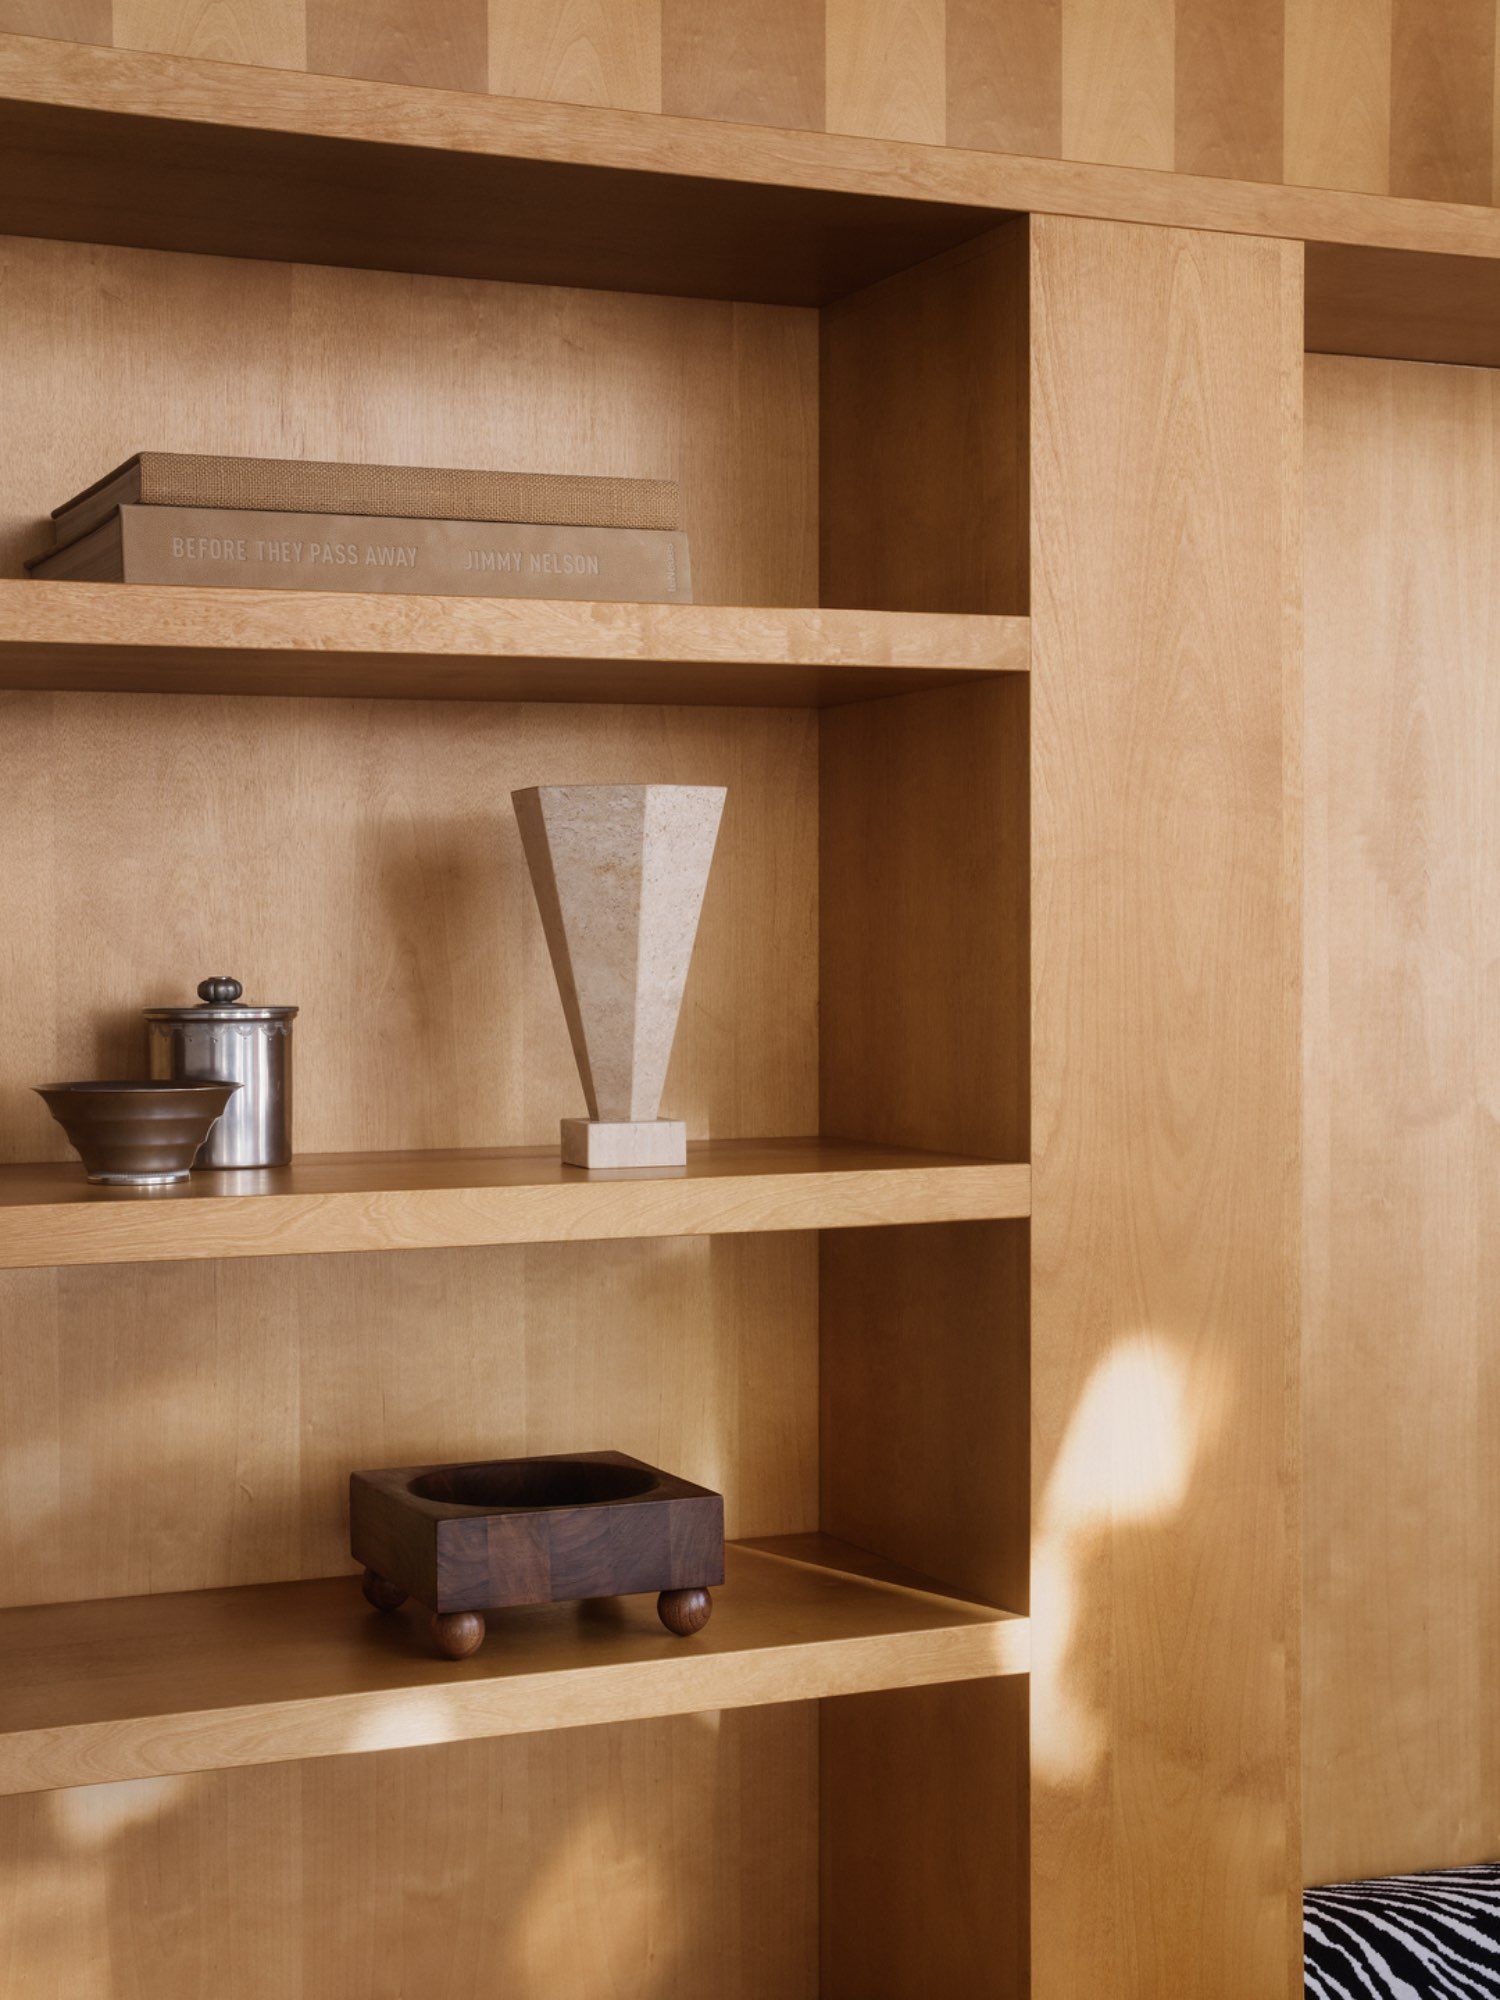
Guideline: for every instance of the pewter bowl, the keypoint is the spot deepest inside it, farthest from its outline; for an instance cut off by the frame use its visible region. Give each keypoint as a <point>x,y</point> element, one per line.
<point>136,1133</point>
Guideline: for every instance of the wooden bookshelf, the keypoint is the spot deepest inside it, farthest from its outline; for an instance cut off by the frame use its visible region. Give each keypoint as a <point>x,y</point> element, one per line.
<point>830,1332</point>
<point>312,792</point>
<point>139,1687</point>
<point>144,639</point>
<point>992,472</point>
<point>49,1215</point>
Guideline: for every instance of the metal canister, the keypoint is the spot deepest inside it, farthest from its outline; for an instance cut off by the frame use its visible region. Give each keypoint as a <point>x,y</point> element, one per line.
<point>251,1046</point>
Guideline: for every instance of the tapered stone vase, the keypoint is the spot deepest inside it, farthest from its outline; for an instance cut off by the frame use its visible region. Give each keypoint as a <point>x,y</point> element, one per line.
<point>619,873</point>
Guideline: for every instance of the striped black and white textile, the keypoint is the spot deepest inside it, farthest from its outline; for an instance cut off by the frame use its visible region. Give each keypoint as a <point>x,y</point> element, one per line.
<point>1407,1937</point>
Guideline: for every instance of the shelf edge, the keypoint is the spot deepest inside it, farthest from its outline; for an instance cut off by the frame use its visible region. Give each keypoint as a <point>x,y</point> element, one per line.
<point>115,1752</point>
<point>42,1236</point>
<point>178,1742</point>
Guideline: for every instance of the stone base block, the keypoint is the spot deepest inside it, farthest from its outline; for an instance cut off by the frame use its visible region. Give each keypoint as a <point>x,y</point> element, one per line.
<point>604,1142</point>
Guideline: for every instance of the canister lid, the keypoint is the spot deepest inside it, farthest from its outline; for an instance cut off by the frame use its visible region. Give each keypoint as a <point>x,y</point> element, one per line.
<point>219,1000</point>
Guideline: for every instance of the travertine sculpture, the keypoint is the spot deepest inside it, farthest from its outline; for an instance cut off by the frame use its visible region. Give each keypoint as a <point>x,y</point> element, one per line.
<point>619,873</point>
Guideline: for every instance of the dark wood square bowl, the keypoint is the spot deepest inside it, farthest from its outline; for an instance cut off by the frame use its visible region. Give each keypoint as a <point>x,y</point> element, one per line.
<point>466,1539</point>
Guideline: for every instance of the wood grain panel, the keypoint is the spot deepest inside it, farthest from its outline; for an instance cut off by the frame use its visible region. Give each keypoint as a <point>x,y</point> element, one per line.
<point>654,1861</point>
<point>185,1426</point>
<point>272,32</point>
<point>923,944</point>
<point>442,44</point>
<point>577,51</point>
<point>1165,1114</point>
<point>759,62</point>
<point>66,20</point>
<point>924,1844</point>
<point>1442,98</point>
<point>886,67</point>
<point>1338,136</point>
<point>923,443</point>
<point>1228,83</point>
<point>271,359</point>
<point>1005,75</point>
<point>930,1464</point>
<point>1118,88</point>
<point>1401,1741</point>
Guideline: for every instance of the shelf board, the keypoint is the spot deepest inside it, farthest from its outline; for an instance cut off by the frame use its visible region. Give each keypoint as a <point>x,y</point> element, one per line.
<point>142,1687</point>
<point>50,1216</point>
<point>174,153</point>
<point>138,638</point>
<point>179,153</point>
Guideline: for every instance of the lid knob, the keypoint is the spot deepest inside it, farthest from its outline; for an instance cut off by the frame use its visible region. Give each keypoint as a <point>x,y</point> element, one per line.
<point>219,992</point>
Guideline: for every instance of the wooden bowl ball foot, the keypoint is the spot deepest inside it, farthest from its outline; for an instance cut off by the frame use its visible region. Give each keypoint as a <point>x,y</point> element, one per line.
<point>684,1611</point>
<point>384,1596</point>
<point>457,1633</point>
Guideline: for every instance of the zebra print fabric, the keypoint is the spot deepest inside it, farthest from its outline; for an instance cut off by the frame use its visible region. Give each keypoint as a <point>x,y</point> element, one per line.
<point>1409,1937</point>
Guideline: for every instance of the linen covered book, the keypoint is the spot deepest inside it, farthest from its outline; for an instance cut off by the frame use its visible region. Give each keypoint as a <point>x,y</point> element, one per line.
<point>285,551</point>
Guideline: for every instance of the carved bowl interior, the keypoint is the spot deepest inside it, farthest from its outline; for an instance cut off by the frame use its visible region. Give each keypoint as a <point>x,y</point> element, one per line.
<point>516,1483</point>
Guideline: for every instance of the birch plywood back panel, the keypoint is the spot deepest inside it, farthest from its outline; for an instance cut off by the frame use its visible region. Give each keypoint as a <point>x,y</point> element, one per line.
<point>361,860</point>
<point>650,1861</point>
<point>184,1426</point>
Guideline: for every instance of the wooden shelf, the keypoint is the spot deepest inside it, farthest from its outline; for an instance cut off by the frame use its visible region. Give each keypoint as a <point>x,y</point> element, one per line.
<point>49,1215</point>
<point>172,152</point>
<point>149,639</point>
<point>138,1687</point>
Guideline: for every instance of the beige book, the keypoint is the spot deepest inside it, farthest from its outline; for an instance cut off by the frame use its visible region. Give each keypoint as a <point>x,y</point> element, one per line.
<point>410,492</point>
<point>279,551</point>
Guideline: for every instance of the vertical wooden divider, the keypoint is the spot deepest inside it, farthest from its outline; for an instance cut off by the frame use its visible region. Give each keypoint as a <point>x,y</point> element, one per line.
<point>1401,1373</point>
<point>923,1040</point>
<point>1166,433</point>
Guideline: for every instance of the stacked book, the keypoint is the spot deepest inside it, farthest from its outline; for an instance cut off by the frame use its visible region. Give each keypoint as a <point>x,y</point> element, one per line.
<point>297,524</point>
